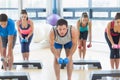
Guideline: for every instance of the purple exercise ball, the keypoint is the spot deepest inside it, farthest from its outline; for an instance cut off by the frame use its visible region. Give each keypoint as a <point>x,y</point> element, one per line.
<point>52,19</point>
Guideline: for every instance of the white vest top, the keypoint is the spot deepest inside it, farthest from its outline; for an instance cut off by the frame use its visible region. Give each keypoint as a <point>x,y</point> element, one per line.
<point>64,39</point>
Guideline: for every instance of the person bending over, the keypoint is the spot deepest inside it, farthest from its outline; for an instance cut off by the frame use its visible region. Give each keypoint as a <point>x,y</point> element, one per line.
<point>25,30</point>
<point>63,36</point>
<point>84,26</point>
<point>8,35</point>
<point>112,36</point>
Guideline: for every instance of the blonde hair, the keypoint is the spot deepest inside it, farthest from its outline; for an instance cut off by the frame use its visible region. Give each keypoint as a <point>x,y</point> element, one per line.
<point>84,15</point>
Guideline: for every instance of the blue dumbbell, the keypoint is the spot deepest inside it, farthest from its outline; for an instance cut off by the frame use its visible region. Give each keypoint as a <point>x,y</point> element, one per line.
<point>24,40</point>
<point>65,60</point>
<point>60,61</point>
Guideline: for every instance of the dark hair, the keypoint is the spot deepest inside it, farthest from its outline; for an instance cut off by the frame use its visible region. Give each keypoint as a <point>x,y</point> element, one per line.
<point>3,17</point>
<point>84,15</point>
<point>62,22</point>
<point>24,12</point>
<point>117,16</point>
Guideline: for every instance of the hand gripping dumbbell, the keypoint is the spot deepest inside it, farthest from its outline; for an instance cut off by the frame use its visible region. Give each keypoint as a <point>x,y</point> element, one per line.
<point>65,60</point>
<point>115,46</point>
<point>4,59</point>
<point>24,40</point>
<point>89,45</point>
<point>60,61</point>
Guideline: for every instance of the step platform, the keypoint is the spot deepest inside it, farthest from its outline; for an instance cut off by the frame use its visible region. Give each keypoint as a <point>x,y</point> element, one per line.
<point>95,75</point>
<point>14,75</point>
<point>95,63</point>
<point>35,63</point>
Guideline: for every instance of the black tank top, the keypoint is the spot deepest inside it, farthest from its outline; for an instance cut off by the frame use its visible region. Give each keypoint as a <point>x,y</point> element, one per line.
<point>113,33</point>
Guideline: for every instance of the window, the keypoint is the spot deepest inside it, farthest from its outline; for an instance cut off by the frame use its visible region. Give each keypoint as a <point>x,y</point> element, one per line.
<point>10,7</point>
<point>105,3</point>
<point>75,3</point>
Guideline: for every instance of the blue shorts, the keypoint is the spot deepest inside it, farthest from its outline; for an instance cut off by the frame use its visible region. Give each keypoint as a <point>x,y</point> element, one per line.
<point>66,46</point>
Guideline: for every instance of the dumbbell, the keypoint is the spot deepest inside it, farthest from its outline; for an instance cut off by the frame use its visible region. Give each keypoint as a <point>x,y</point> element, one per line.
<point>65,60</point>
<point>24,40</point>
<point>4,59</point>
<point>79,47</point>
<point>89,45</point>
<point>115,46</point>
<point>119,46</point>
<point>60,61</point>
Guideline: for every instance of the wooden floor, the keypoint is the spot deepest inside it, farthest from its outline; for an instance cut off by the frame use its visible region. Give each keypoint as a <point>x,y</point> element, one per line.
<point>97,52</point>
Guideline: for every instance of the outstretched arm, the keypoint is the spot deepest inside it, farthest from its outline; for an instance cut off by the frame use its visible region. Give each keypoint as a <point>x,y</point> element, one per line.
<point>74,41</point>
<point>1,47</point>
<point>78,26</point>
<point>32,29</point>
<point>90,31</point>
<point>10,45</point>
<point>109,35</point>
<point>51,41</point>
<point>18,29</point>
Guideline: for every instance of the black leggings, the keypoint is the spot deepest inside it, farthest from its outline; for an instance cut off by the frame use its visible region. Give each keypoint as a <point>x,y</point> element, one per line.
<point>114,53</point>
<point>83,35</point>
<point>25,45</point>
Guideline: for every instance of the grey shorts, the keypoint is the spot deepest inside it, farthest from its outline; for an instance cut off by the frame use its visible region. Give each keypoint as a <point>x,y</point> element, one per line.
<point>5,41</point>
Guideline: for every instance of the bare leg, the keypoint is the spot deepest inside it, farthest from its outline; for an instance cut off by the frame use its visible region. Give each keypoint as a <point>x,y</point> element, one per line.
<point>116,63</point>
<point>112,63</point>
<point>80,52</point>
<point>10,61</point>
<point>1,49</point>
<point>84,48</point>
<point>57,67</point>
<point>27,56</point>
<point>69,65</point>
<point>80,49</point>
<point>23,56</point>
<point>70,69</point>
<point>4,55</point>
